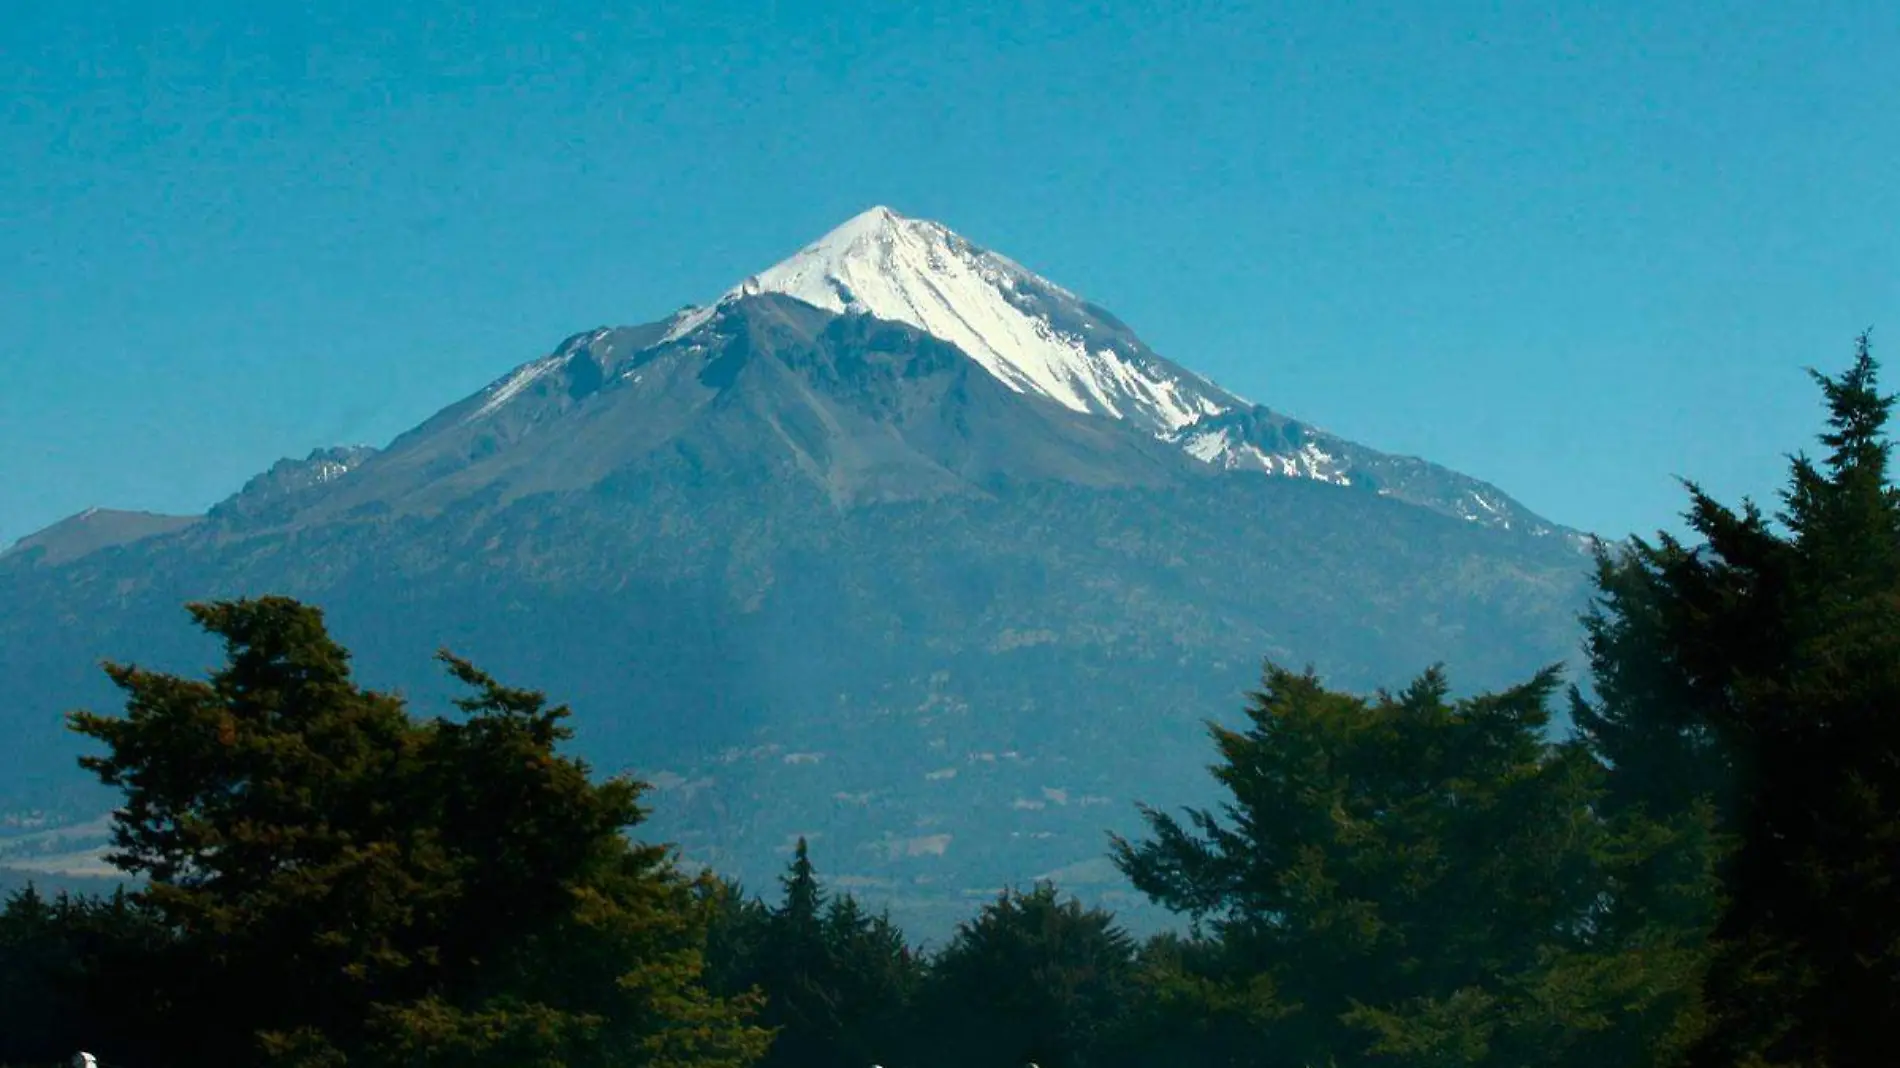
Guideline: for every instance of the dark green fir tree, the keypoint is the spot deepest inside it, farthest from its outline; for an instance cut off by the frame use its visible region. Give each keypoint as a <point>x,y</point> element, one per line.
<point>339,883</point>
<point>1773,646</point>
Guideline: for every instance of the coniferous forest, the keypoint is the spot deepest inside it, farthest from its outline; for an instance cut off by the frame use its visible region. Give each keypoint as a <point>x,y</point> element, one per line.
<point>1702,873</point>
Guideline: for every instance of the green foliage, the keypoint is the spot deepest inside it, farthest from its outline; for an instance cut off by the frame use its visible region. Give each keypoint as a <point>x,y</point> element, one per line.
<point>449,891</point>
<point>1399,879</point>
<point>838,981</point>
<point>735,935</point>
<point>1774,651</point>
<point>1706,875</point>
<point>61,959</point>
<point>1667,799</point>
<point>1033,978</point>
<point>874,981</point>
<point>1194,1004</point>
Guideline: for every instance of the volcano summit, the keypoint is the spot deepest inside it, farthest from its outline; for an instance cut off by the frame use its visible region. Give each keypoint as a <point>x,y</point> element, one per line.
<point>895,545</point>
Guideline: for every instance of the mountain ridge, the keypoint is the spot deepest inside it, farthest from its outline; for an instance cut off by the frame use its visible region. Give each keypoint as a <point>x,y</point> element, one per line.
<point>1037,336</point>
<point>1035,324</point>
<point>823,573</point>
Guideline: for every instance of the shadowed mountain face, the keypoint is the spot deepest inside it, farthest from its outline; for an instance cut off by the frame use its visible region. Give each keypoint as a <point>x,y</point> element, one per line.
<point>825,574</point>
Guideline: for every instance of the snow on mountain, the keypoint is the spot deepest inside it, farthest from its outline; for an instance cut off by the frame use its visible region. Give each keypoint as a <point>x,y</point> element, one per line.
<point>1227,448</point>
<point>1030,333</point>
<point>288,479</point>
<point>511,386</point>
<point>1037,339</point>
<point>1253,438</point>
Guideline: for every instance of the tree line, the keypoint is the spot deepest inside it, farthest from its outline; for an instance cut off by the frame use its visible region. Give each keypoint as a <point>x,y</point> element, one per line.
<point>1701,874</point>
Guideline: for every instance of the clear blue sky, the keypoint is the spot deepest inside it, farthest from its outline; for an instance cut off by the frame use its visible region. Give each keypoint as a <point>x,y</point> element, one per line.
<point>1577,249</point>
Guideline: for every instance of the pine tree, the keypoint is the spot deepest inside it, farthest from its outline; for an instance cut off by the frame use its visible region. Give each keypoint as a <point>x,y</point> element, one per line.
<point>1781,645</point>
<point>736,937</point>
<point>875,977</point>
<point>1642,718</point>
<point>804,903</point>
<point>795,974</point>
<point>450,891</point>
<point>34,1020</point>
<point>836,980</point>
<point>1404,879</point>
<point>64,962</point>
<point>1194,1003</point>
<point>1034,978</point>
<point>1668,797</point>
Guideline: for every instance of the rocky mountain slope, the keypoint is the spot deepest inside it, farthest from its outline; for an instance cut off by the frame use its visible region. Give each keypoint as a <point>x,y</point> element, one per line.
<point>91,531</point>
<point>815,560</point>
<point>1043,340</point>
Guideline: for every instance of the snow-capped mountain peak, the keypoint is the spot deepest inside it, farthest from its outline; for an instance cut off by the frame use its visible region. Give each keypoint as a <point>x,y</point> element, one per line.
<point>1036,338</point>
<point>1031,334</point>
